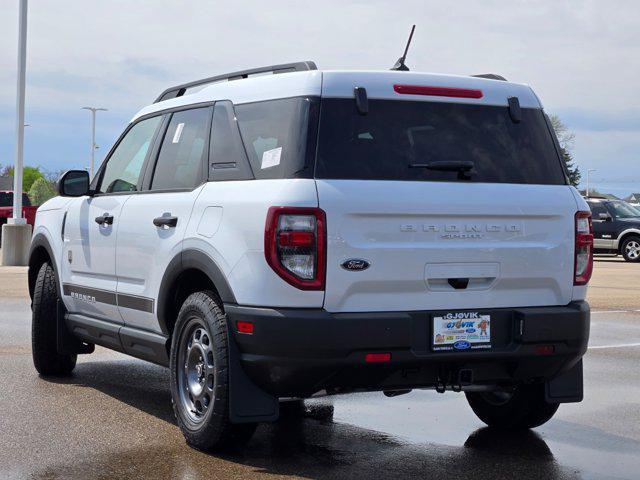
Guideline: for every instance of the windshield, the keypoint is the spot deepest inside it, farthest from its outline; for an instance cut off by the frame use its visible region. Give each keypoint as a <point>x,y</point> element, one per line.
<point>401,140</point>
<point>623,210</point>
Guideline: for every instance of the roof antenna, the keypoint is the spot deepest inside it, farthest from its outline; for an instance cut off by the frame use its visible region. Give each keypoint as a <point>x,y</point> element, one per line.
<point>400,66</point>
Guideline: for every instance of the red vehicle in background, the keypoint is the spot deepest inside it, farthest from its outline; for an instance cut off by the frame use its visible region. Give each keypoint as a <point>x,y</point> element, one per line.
<point>6,208</point>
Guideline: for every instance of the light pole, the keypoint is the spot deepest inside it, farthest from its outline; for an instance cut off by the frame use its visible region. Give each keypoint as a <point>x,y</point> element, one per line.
<point>16,234</point>
<point>589,170</point>
<point>93,111</point>
<point>22,70</point>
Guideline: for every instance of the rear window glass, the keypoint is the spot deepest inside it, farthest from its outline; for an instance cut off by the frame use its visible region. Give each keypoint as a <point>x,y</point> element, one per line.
<point>275,134</point>
<point>6,199</point>
<point>394,135</point>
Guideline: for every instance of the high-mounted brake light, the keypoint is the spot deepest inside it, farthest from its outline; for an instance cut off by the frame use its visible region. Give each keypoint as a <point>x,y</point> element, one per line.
<point>583,261</point>
<point>438,91</point>
<point>295,245</point>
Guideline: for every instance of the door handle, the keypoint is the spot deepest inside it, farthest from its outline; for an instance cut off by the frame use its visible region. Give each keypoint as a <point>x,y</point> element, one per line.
<point>169,222</point>
<point>104,219</point>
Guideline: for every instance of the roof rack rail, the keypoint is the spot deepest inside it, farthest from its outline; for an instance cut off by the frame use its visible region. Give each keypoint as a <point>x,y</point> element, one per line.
<point>491,76</point>
<point>179,90</point>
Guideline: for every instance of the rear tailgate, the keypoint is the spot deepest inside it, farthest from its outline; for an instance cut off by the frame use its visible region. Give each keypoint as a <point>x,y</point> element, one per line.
<point>514,244</point>
<point>451,189</point>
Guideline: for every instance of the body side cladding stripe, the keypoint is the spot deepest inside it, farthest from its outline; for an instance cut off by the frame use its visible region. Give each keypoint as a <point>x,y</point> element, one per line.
<point>95,295</point>
<point>135,302</point>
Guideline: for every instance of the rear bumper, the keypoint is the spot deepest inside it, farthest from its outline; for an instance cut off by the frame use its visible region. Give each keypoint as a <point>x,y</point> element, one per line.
<point>298,352</point>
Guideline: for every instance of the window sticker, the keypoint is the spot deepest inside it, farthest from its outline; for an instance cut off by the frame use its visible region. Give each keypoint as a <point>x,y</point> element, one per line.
<point>178,134</point>
<point>271,158</point>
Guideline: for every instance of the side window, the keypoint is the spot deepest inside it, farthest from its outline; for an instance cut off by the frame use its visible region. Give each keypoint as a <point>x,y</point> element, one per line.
<point>183,150</point>
<point>227,158</point>
<point>123,168</point>
<point>596,210</point>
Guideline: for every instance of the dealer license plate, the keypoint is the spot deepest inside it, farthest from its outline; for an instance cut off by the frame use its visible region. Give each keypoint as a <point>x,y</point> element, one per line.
<point>461,331</point>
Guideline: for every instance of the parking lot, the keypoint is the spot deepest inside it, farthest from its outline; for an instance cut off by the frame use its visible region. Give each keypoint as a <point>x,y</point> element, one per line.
<point>113,417</point>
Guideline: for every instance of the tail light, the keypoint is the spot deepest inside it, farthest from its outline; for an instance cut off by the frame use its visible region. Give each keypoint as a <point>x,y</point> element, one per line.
<point>583,264</point>
<point>295,245</point>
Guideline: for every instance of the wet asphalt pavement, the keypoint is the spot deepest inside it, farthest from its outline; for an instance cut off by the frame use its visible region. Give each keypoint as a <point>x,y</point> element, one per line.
<point>113,419</point>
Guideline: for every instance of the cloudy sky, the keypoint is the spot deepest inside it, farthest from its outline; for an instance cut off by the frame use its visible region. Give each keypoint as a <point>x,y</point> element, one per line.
<point>582,58</point>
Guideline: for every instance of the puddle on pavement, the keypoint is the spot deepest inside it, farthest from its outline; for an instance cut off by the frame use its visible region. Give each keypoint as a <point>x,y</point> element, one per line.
<point>427,417</point>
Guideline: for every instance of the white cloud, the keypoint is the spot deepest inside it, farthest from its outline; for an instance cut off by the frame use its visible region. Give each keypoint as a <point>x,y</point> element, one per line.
<point>121,54</point>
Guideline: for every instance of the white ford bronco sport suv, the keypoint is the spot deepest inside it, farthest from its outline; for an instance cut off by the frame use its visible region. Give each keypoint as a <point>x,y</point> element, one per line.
<point>285,232</point>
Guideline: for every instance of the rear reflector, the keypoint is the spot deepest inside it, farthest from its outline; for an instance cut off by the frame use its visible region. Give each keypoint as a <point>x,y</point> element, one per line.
<point>437,91</point>
<point>545,349</point>
<point>377,357</point>
<point>245,327</point>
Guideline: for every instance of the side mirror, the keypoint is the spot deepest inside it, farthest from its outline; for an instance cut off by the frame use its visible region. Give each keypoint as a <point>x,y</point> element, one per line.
<point>605,216</point>
<point>73,183</point>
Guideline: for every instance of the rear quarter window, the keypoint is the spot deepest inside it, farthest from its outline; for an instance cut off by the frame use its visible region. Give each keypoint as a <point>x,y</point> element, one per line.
<point>396,134</point>
<point>279,136</point>
<point>597,209</point>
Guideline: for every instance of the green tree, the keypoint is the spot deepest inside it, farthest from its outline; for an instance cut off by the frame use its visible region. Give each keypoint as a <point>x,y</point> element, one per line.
<point>566,139</point>
<point>29,175</point>
<point>41,191</point>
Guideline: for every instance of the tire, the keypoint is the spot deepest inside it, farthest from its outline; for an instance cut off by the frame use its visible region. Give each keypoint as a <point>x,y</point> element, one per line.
<point>630,249</point>
<point>44,308</point>
<point>522,408</point>
<point>200,376</point>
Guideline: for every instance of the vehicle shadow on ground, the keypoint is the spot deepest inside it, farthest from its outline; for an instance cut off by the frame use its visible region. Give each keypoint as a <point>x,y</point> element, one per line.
<point>307,444</point>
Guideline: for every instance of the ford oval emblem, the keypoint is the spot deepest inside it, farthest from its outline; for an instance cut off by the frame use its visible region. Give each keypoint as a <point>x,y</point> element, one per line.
<point>461,345</point>
<point>355,264</point>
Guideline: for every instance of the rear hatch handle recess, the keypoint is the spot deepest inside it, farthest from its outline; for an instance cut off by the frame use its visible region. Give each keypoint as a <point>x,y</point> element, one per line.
<point>463,167</point>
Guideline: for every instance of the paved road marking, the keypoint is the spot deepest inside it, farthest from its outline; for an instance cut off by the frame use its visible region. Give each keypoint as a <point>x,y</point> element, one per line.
<point>622,345</point>
<point>616,311</point>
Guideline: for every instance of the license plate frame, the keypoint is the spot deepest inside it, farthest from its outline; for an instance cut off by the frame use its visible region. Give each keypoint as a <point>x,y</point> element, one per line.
<point>460,331</point>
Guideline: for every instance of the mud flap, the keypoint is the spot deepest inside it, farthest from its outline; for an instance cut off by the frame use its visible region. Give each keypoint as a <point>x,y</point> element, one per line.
<point>566,388</point>
<point>248,403</point>
<point>66,343</point>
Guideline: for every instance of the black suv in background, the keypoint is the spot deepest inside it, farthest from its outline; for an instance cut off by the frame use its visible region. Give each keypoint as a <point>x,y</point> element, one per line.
<point>616,228</point>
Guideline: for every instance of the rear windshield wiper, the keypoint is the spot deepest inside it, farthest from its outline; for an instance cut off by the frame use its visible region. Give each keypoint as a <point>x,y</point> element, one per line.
<point>446,165</point>
<point>463,167</point>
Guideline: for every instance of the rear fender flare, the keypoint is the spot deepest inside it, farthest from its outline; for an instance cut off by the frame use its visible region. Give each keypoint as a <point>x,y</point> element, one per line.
<point>186,260</point>
<point>625,233</point>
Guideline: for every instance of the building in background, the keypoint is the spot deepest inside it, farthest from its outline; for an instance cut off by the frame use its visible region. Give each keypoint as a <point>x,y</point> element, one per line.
<point>634,198</point>
<point>6,183</point>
